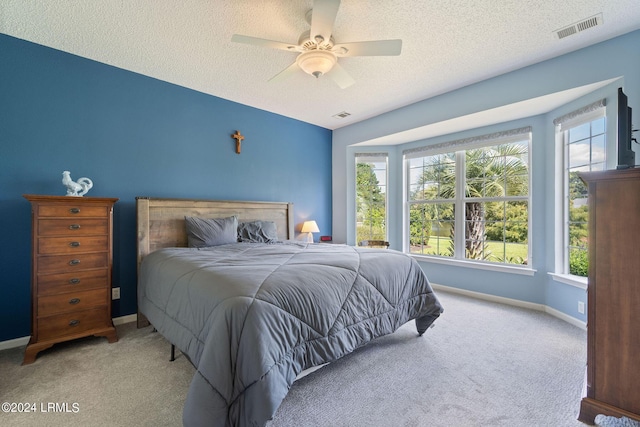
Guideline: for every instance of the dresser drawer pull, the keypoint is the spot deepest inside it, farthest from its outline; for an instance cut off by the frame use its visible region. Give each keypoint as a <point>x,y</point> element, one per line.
<point>74,322</point>
<point>74,281</point>
<point>74,227</point>
<point>74,210</point>
<point>74,262</point>
<point>74,301</point>
<point>74,244</point>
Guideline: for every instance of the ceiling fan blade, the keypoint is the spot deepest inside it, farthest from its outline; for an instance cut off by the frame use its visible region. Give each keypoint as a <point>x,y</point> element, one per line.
<point>254,41</point>
<point>284,74</point>
<point>322,18</point>
<point>372,48</point>
<point>340,76</point>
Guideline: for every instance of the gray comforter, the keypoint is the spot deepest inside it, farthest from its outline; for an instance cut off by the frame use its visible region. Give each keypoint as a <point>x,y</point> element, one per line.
<point>252,316</point>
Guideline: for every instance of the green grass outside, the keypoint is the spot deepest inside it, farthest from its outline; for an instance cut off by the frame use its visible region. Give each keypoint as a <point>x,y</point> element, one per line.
<point>514,251</point>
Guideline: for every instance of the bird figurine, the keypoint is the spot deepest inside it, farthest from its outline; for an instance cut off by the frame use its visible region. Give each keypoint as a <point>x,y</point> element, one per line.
<point>78,188</point>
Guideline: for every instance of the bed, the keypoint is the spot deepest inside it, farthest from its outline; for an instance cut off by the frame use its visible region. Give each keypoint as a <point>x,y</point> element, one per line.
<point>252,315</point>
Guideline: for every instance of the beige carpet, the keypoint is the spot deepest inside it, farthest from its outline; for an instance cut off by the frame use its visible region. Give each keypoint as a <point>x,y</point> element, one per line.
<point>484,364</point>
<point>127,383</point>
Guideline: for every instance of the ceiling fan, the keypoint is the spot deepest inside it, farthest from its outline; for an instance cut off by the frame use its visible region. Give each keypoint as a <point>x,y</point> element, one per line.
<point>318,52</point>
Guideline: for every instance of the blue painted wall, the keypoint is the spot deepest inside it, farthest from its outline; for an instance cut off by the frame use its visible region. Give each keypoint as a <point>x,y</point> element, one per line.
<point>134,136</point>
<point>618,58</point>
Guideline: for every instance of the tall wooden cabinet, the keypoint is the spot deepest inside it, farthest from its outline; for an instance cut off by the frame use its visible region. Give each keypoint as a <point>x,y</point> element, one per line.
<point>613,318</point>
<point>71,270</point>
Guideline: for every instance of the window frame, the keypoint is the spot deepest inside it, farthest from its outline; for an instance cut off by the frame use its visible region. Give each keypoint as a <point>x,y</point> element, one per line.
<point>562,137</point>
<point>459,149</point>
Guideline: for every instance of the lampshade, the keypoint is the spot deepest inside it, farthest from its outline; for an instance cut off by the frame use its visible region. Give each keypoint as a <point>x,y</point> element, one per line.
<point>310,227</point>
<point>316,62</point>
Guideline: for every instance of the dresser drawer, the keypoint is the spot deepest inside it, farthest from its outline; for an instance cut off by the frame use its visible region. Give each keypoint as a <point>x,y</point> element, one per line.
<point>72,244</point>
<point>72,281</point>
<point>73,210</point>
<point>72,227</point>
<point>73,301</point>
<point>72,323</point>
<point>69,263</point>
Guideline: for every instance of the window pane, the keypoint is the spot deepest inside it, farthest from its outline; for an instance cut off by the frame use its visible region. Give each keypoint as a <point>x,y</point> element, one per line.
<point>579,154</point>
<point>587,152</point>
<point>497,231</point>
<point>579,262</point>
<point>475,213</point>
<point>414,175</point>
<point>579,132</point>
<point>415,163</point>
<point>432,177</point>
<point>371,198</point>
<point>598,153</point>
<point>431,229</point>
<point>516,168</point>
<point>598,126</point>
<point>474,187</point>
<point>415,192</point>
<point>497,171</point>
<point>431,190</point>
<point>517,222</point>
<point>577,187</point>
<point>517,185</point>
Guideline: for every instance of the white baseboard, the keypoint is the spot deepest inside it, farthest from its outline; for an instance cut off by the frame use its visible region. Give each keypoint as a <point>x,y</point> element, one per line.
<point>125,319</point>
<point>22,341</point>
<point>18,342</point>
<point>562,316</point>
<point>509,301</point>
<point>487,297</point>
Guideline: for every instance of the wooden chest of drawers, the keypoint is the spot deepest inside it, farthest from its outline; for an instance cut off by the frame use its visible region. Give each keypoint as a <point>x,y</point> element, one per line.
<point>613,326</point>
<point>71,270</point>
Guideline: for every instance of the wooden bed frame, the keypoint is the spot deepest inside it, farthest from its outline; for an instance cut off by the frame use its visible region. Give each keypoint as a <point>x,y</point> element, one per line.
<point>160,222</point>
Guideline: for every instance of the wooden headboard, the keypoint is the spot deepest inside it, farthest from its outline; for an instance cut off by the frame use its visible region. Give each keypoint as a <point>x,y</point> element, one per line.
<point>160,222</point>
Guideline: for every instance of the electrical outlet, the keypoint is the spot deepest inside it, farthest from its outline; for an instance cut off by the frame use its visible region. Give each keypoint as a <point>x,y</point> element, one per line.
<point>580,307</point>
<point>115,293</point>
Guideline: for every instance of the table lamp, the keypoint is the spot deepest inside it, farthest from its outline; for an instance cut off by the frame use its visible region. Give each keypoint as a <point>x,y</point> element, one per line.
<point>310,227</point>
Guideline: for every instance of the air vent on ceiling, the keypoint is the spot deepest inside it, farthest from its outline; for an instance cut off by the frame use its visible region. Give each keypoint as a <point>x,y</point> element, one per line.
<point>342,115</point>
<point>585,24</point>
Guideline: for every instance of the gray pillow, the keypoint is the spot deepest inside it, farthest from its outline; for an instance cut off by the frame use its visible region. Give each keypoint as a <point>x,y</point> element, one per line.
<point>258,232</point>
<point>204,232</point>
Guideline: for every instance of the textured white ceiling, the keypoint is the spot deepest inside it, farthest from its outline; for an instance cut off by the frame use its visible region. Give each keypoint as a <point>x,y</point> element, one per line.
<point>447,44</point>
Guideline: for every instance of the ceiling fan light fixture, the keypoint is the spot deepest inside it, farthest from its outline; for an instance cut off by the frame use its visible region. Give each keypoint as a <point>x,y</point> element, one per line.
<point>318,52</point>
<point>316,62</point>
